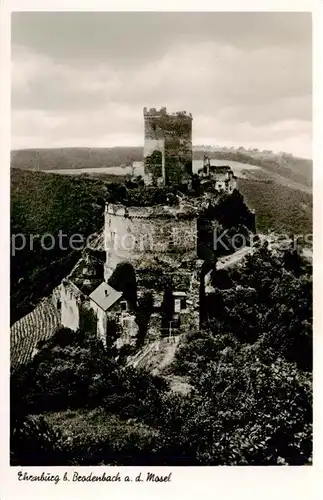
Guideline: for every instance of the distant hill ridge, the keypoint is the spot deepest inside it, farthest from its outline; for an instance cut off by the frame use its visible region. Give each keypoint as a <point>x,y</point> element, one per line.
<point>73,158</point>
<point>293,168</point>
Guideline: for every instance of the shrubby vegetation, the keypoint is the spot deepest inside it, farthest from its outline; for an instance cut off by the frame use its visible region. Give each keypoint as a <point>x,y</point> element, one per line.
<point>74,373</point>
<point>251,397</point>
<point>46,204</point>
<point>229,217</point>
<point>251,407</point>
<point>269,299</point>
<point>252,367</point>
<point>133,195</point>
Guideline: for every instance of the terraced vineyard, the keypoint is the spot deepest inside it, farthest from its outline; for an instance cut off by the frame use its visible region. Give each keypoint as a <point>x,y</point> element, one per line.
<point>38,325</point>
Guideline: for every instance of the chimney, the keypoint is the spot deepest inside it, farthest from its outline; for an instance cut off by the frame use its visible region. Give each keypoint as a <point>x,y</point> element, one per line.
<point>106,292</point>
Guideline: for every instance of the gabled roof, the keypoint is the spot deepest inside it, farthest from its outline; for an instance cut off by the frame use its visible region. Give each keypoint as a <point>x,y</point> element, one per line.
<point>105,296</point>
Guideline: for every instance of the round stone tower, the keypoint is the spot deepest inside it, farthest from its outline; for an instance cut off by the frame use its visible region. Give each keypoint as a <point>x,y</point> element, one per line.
<point>138,234</point>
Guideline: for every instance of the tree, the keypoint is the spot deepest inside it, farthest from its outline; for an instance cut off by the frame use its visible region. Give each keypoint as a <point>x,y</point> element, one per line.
<point>145,308</point>
<point>33,442</point>
<point>248,407</point>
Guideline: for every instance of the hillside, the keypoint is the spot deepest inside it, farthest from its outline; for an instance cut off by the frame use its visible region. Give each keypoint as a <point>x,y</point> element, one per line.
<point>248,375</point>
<point>74,158</point>
<point>282,164</point>
<point>295,169</point>
<point>278,208</point>
<point>46,204</point>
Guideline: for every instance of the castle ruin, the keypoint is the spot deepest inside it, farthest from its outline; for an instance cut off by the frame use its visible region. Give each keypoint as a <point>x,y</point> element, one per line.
<point>166,248</point>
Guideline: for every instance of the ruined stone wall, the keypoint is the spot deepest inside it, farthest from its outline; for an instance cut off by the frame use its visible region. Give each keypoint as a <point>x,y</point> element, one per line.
<point>134,234</point>
<point>70,303</point>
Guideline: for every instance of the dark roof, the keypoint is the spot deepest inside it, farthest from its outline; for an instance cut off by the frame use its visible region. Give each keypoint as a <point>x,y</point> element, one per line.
<point>105,296</point>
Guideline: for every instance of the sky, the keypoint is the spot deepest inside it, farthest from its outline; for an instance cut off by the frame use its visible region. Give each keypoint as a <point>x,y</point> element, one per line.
<point>83,78</point>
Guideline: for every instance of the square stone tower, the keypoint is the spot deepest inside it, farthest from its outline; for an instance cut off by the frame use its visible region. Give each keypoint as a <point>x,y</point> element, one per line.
<point>168,146</point>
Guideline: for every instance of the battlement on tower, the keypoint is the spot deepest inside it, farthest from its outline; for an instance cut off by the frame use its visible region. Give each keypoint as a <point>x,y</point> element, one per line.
<point>182,211</point>
<point>153,112</point>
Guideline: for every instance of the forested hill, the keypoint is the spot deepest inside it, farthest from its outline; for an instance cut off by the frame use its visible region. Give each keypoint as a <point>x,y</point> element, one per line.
<point>43,203</point>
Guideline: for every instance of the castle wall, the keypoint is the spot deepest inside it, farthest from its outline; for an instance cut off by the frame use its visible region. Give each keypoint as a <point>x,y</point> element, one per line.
<point>135,233</point>
<point>70,300</point>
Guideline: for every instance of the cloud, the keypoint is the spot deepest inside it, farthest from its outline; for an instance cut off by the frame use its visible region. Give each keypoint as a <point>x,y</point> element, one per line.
<point>136,37</point>
<point>75,82</point>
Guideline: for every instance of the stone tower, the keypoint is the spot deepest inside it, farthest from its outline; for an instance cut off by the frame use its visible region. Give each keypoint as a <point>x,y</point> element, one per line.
<point>168,146</point>
<point>138,234</point>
